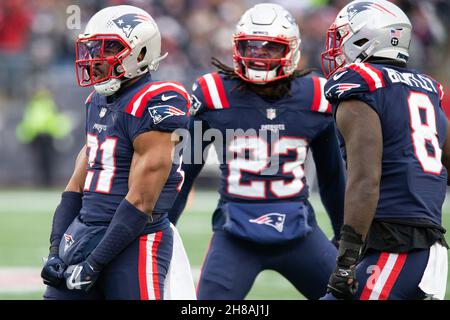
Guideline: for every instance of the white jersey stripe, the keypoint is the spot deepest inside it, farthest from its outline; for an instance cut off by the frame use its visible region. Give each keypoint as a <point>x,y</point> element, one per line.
<point>375,77</point>
<point>323,102</point>
<point>88,180</point>
<point>154,87</point>
<point>149,268</point>
<point>212,87</point>
<point>384,275</point>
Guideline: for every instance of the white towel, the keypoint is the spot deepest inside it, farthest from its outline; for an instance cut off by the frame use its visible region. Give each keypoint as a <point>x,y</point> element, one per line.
<point>434,279</point>
<point>179,283</point>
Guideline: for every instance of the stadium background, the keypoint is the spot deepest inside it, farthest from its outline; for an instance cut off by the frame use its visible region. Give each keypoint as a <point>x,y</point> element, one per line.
<point>37,53</point>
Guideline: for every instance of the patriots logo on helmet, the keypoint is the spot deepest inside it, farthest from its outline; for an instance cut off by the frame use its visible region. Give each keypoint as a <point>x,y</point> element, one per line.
<point>129,21</point>
<point>363,6</point>
<point>340,88</point>
<point>159,113</point>
<point>273,219</point>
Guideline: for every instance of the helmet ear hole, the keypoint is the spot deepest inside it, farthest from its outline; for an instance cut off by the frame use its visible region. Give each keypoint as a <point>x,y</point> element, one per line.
<point>142,54</point>
<point>361,42</point>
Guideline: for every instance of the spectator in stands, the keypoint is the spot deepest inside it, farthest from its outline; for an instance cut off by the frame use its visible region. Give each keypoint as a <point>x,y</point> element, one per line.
<point>40,125</point>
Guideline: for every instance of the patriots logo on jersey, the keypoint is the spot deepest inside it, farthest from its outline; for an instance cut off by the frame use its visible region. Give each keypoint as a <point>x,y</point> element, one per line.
<point>129,21</point>
<point>363,6</point>
<point>273,219</point>
<point>68,241</point>
<point>195,104</point>
<point>340,88</point>
<point>159,113</point>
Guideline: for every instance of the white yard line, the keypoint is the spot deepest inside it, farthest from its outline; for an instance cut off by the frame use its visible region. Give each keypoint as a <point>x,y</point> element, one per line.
<point>20,280</point>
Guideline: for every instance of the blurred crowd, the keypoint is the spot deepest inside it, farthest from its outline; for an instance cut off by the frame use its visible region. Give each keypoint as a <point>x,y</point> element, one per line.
<point>35,34</point>
<point>37,40</point>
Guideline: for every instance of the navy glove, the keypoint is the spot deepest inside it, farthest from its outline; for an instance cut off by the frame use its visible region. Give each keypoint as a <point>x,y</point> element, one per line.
<point>53,271</point>
<point>81,276</point>
<point>342,283</point>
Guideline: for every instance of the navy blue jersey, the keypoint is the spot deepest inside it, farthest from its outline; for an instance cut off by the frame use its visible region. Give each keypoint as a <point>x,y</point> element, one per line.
<point>112,126</point>
<point>413,179</point>
<point>265,163</point>
<point>221,106</point>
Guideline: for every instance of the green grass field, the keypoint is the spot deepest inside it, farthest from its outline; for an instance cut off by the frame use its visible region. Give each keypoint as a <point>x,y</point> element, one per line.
<point>25,220</point>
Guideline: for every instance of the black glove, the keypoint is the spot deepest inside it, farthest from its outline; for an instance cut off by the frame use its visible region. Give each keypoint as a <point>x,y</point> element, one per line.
<point>342,283</point>
<point>81,276</point>
<point>53,271</point>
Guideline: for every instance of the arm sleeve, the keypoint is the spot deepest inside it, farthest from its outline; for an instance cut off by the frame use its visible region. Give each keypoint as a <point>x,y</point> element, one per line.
<point>330,174</point>
<point>66,211</point>
<point>191,165</point>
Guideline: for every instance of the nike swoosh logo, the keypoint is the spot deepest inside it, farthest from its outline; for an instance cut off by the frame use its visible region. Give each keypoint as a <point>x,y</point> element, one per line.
<point>337,76</point>
<point>76,285</point>
<point>165,98</point>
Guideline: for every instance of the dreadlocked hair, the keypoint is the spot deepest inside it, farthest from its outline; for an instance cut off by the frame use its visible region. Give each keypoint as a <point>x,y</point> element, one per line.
<point>280,88</point>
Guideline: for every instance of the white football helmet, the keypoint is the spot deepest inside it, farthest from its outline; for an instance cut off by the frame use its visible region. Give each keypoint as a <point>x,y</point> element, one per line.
<point>364,29</point>
<point>108,50</point>
<point>266,44</point>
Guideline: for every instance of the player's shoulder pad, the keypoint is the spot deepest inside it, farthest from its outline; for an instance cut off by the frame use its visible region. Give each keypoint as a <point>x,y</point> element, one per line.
<point>440,90</point>
<point>89,99</point>
<point>319,102</point>
<point>436,86</point>
<point>171,94</point>
<point>209,93</point>
<point>356,78</point>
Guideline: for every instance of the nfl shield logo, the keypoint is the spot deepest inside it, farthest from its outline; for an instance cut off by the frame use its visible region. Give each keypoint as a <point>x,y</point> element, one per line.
<point>271,113</point>
<point>102,112</point>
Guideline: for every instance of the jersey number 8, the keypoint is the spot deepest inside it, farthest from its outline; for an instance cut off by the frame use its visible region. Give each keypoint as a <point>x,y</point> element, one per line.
<point>424,132</point>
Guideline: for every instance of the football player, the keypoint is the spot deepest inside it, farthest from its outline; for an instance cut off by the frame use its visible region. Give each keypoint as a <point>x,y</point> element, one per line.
<point>111,237</point>
<point>263,219</point>
<point>397,143</point>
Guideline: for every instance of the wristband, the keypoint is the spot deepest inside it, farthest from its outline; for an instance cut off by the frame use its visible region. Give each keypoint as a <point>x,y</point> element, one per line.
<point>350,247</point>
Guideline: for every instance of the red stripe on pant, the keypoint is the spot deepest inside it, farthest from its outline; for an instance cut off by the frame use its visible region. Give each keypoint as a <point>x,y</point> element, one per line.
<point>398,266</point>
<point>142,267</point>
<point>156,243</point>
<point>376,272</point>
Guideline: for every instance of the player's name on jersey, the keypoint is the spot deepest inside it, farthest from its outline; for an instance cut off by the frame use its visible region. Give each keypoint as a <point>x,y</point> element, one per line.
<point>273,127</point>
<point>411,79</point>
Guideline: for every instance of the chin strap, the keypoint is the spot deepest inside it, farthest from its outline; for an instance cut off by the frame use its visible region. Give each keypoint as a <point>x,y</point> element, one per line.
<point>262,76</point>
<point>108,87</point>
<point>155,62</point>
<point>368,52</point>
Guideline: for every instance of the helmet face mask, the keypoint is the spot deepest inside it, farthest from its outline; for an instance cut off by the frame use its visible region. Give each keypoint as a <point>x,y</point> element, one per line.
<point>365,29</point>
<point>262,54</point>
<point>333,57</point>
<point>266,44</point>
<point>99,58</point>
